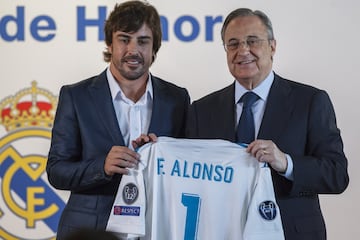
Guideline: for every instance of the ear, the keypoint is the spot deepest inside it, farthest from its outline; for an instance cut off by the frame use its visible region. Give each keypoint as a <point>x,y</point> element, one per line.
<point>273,47</point>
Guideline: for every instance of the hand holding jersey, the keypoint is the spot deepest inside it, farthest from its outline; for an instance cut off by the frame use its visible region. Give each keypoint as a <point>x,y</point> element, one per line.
<point>120,158</point>
<point>197,189</point>
<point>266,151</point>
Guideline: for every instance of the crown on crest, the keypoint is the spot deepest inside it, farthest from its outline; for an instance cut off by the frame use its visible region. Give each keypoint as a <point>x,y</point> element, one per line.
<point>30,107</point>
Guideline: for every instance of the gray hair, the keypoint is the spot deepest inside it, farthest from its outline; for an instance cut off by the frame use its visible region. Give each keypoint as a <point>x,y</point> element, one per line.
<point>244,12</point>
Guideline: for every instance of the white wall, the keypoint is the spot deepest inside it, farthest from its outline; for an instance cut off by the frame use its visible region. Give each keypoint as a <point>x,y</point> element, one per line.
<point>317,43</point>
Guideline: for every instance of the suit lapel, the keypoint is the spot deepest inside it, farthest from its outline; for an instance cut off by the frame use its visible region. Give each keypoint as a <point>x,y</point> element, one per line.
<point>159,108</point>
<point>278,110</point>
<point>102,102</point>
<point>225,110</point>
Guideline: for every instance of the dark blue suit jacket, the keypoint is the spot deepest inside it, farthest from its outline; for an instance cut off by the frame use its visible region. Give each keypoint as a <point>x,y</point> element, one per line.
<point>85,129</point>
<point>300,120</point>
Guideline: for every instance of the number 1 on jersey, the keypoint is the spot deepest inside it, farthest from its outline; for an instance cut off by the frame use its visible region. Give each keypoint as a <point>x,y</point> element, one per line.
<point>192,203</point>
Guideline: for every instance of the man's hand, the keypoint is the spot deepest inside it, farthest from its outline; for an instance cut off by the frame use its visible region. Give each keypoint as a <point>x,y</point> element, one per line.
<point>143,139</point>
<point>267,151</point>
<point>119,159</point>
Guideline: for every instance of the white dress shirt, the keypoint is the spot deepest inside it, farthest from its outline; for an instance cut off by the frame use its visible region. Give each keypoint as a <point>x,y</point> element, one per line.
<point>133,117</point>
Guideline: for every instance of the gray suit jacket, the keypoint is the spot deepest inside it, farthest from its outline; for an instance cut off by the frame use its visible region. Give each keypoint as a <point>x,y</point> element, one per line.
<point>85,129</point>
<point>300,120</point>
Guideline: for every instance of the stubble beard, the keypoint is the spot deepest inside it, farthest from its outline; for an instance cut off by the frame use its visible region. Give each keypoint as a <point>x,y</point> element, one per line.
<point>129,72</point>
<point>132,75</point>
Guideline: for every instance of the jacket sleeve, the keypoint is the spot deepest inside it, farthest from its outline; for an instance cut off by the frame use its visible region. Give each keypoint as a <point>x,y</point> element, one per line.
<point>67,168</point>
<point>323,169</point>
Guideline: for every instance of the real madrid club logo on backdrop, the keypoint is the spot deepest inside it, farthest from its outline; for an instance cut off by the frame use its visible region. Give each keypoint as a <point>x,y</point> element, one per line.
<point>29,207</point>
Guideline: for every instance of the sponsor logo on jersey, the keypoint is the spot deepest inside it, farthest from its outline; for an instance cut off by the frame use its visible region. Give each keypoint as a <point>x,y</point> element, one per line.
<point>130,193</point>
<point>29,207</point>
<point>267,210</point>
<point>127,210</point>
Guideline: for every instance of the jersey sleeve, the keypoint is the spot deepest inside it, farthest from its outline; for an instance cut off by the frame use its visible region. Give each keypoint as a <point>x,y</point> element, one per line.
<point>263,216</point>
<point>127,217</point>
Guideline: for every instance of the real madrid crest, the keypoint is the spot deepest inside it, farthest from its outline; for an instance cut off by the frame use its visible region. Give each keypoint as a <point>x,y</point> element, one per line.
<point>29,207</point>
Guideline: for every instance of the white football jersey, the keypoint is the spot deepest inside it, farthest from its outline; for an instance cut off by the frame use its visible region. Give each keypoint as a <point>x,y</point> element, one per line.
<point>205,190</point>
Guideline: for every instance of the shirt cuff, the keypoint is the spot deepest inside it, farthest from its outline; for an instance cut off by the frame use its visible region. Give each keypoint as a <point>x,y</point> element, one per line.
<point>289,174</point>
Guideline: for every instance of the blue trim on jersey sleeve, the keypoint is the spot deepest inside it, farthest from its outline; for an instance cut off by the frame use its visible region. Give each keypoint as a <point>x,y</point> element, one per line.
<point>245,145</point>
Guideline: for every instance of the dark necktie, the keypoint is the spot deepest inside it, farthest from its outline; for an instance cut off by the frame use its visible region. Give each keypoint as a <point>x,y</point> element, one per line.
<point>246,129</point>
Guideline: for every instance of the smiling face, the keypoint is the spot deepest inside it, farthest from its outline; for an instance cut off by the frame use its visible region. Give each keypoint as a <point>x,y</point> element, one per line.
<point>249,64</point>
<point>131,54</point>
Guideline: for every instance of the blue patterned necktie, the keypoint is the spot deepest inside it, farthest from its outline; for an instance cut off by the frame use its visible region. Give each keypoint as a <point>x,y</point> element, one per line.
<point>245,132</point>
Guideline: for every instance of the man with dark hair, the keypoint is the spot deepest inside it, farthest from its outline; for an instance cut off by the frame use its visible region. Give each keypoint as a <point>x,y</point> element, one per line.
<point>100,120</point>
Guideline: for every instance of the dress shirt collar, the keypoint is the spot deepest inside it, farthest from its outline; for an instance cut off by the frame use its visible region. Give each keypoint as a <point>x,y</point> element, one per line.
<point>116,91</point>
<point>262,90</point>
